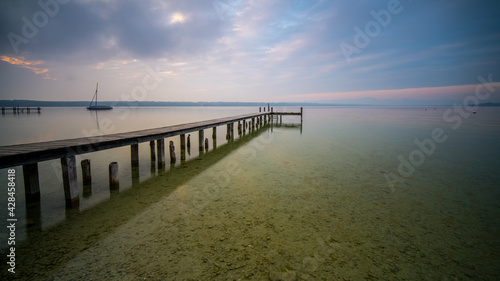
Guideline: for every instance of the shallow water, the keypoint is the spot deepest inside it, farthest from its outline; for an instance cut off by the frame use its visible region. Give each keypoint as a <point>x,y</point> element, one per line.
<point>296,203</point>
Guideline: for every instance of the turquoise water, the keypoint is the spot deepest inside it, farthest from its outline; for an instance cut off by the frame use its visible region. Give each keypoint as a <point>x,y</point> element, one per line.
<point>347,195</point>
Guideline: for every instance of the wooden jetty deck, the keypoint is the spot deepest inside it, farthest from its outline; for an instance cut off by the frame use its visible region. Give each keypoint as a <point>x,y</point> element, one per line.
<point>28,155</point>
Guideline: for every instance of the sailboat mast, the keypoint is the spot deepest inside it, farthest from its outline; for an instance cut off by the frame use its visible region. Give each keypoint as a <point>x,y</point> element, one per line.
<point>96,85</point>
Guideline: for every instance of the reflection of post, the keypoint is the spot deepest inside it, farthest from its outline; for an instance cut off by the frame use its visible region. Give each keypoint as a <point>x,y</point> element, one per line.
<point>31,184</point>
<point>69,181</point>
<point>34,216</point>
<point>135,175</point>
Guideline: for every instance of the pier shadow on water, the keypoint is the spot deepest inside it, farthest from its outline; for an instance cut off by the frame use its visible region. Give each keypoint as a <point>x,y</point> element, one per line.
<point>44,251</point>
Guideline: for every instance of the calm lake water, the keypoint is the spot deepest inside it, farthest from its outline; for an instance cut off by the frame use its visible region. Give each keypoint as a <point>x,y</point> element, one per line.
<point>352,193</point>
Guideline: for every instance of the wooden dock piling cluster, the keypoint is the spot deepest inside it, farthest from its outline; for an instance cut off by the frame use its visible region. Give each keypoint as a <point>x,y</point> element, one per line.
<point>18,109</point>
<point>28,155</point>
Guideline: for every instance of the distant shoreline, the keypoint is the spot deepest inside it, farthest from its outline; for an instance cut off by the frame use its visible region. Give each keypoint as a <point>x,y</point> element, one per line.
<point>35,103</point>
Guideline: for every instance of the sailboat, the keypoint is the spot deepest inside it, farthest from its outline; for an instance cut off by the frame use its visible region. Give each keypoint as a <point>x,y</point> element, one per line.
<point>95,106</point>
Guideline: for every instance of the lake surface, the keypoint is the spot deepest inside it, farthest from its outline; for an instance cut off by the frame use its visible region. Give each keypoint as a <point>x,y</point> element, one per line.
<point>351,193</point>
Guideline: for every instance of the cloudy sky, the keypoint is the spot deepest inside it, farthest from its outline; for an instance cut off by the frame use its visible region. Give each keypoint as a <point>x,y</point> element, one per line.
<point>255,50</point>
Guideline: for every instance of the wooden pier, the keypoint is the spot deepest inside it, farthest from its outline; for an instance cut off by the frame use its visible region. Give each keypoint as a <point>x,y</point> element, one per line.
<point>28,155</point>
<point>18,109</point>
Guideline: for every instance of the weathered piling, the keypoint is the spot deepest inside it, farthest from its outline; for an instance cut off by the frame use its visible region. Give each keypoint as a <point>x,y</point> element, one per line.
<point>134,155</point>
<point>114,180</point>
<point>68,165</point>
<point>183,141</point>
<point>31,183</point>
<point>152,151</point>
<point>172,152</point>
<point>160,151</point>
<point>86,174</point>
<point>189,141</point>
<point>228,133</point>
<point>183,147</point>
<point>206,144</point>
<point>201,137</point>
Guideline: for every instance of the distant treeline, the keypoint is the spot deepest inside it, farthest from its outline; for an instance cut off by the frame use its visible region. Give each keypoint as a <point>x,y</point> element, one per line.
<point>35,103</point>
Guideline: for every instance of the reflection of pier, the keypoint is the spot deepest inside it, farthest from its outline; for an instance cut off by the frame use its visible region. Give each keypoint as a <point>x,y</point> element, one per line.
<point>28,155</point>
<point>50,248</point>
<point>18,109</point>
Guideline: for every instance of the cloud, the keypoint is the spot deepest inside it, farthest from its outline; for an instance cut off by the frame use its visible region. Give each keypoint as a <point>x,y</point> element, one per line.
<point>87,31</point>
<point>31,65</point>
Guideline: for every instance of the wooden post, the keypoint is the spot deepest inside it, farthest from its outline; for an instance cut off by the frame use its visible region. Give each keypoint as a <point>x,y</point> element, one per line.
<point>239,128</point>
<point>268,107</point>
<point>206,144</point>
<point>160,151</point>
<point>31,182</point>
<point>214,132</point>
<point>86,175</point>
<point>183,141</point>
<point>301,111</point>
<point>228,133</point>
<point>172,152</point>
<point>70,183</point>
<point>189,141</point>
<point>281,118</point>
<point>114,180</point>
<point>201,137</point>
<point>152,150</point>
<point>260,109</point>
<point>134,155</point>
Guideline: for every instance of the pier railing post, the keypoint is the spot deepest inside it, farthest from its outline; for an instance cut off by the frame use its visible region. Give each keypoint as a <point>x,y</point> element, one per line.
<point>86,172</point>
<point>31,182</point>
<point>134,155</point>
<point>70,183</point>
